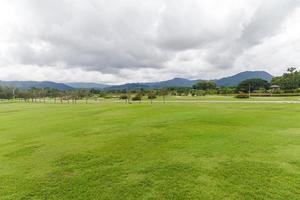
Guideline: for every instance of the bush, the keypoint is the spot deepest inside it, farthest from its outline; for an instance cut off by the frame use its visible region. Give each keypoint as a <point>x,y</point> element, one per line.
<point>123,97</point>
<point>261,90</point>
<point>242,96</point>
<point>137,98</point>
<point>289,91</point>
<point>279,91</point>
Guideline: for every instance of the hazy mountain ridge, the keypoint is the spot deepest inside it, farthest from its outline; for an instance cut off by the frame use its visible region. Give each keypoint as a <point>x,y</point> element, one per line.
<point>236,79</point>
<point>87,85</point>
<point>175,82</point>
<point>181,82</point>
<point>35,84</point>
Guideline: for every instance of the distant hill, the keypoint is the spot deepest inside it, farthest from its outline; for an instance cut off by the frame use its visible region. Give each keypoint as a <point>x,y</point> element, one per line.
<point>175,82</point>
<point>129,86</point>
<point>84,85</point>
<point>181,82</point>
<point>36,84</point>
<point>236,79</point>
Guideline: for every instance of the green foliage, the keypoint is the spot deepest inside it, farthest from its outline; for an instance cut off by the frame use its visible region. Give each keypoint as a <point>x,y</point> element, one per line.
<point>261,90</point>
<point>6,93</point>
<point>205,85</point>
<point>124,96</point>
<point>253,84</point>
<point>242,96</point>
<point>151,95</point>
<point>201,93</point>
<point>288,81</point>
<point>164,92</point>
<point>226,90</point>
<point>137,97</point>
<point>297,90</point>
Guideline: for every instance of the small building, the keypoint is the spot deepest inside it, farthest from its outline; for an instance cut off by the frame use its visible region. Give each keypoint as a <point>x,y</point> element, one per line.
<point>275,88</point>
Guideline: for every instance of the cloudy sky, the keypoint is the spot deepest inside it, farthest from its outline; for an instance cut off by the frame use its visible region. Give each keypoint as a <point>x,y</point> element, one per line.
<point>117,41</point>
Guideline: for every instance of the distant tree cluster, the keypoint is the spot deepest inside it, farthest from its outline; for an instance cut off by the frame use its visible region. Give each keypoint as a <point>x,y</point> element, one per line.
<point>40,94</point>
<point>6,93</point>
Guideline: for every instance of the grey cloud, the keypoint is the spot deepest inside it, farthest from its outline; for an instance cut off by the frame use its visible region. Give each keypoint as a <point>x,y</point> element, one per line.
<point>111,36</point>
<point>265,23</point>
<point>267,20</point>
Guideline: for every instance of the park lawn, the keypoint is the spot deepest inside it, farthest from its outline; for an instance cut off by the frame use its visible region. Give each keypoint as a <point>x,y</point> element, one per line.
<point>144,151</point>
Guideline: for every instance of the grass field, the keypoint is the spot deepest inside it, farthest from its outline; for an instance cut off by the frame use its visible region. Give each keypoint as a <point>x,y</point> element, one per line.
<point>143,151</point>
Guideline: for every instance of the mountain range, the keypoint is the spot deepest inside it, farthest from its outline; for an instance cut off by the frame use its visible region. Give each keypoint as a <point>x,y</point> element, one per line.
<point>175,82</point>
<point>36,84</point>
<point>87,85</point>
<point>181,82</point>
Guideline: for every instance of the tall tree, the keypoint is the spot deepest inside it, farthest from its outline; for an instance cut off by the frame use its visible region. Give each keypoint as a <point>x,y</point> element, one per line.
<point>164,93</point>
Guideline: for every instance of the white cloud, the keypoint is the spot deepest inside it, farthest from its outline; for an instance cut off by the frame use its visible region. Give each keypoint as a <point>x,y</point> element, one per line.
<point>123,41</point>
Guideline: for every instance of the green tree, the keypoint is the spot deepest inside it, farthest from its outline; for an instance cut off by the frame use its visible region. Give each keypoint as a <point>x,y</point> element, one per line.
<point>288,81</point>
<point>6,93</point>
<point>137,97</point>
<point>124,97</point>
<point>151,95</point>
<point>252,84</point>
<point>205,85</point>
<point>164,93</point>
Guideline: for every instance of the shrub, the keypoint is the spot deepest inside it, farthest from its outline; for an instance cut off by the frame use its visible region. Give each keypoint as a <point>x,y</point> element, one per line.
<point>242,96</point>
<point>123,97</point>
<point>279,91</point>
<point>260,90</point>
<point>289,91</point>
<point>137,98</point>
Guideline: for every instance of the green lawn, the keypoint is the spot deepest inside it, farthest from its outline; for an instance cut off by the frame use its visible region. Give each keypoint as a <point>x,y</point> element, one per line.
<point>144,151</point>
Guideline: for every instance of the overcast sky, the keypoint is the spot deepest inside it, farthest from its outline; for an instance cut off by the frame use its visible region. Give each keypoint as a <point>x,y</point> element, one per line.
<point>117,41</point>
